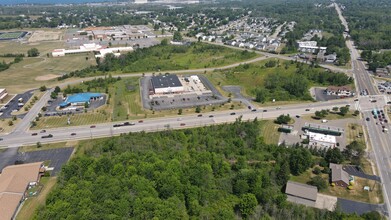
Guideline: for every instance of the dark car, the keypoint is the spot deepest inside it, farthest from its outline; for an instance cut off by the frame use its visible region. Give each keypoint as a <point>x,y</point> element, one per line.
<point>93,126</point>
<point>297,116</point>
<point>47,136</point>
<point>141,121</point>
<point>34,134</point>
<point>183,124</point>
<point>253,110</point>
<point>307,109</point>
<point>1,139</point>
<point>42,131</point>
<point>265,110</point>
<point>374,100</point>
<point>232,113</point>
<point>368,119</point>
<point>117,125</point>
<point>249,107</point>
<point>200,115</point>
<point>211,116</point>
<point>73,134</point>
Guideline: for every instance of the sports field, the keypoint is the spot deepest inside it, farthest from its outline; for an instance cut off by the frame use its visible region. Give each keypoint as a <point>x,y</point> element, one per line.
<point>11,35</point>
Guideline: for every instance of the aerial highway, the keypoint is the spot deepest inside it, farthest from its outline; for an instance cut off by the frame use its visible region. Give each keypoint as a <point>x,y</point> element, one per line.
<point>378,139</point>
<point>20,138</point>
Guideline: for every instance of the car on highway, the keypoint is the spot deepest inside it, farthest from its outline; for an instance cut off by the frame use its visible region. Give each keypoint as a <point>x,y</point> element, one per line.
<point>93,126</point>
<point>182,124</point>
<point>253,110</point>
<point>1,139</point>
<point>232,113</point>
<point>374,100</point>
<point>356,100</point>
<point>42,131</point>
<point>34,134</point>
<point>307,109</point>
<point>129,123</point>
<point>211,116</point>
<point>200,115</point>
<point>47,136</point>
<point>265,110</point>
<point>297,116</point>
<point>140,121</point>
<point>73,134</point>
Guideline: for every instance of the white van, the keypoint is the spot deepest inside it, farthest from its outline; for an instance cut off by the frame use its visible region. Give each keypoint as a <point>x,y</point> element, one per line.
<point>324,121</point>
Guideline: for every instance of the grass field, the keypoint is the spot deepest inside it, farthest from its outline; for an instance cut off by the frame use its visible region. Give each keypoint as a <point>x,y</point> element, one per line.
<point>45,146</point>
<point>331,116</point>
<point>269,132</point>
<point>31,204</point>
<point>354,132</point>
<point>123,105</point>
<point>357,193</point>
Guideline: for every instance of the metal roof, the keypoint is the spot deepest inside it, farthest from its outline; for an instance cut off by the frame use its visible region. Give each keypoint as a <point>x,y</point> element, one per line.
<point>301,190</point>
<point>165,81</point>
<point>80,98</point>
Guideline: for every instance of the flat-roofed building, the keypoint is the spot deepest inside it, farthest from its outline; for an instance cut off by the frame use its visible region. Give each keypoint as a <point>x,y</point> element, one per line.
<point>3,94</point>
<point>166,84</point>
<point>14,181</point>
<point>301,193</point>
<point>321,140</point>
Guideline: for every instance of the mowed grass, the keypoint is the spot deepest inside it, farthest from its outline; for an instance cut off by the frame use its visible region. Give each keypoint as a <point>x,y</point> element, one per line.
<point>358,193</point>
<point>76,120</point>
<point>22,76</point>
<point>269,132</point>
<point>43,147</point>
<point>31,204</point>
<point>248,76</point>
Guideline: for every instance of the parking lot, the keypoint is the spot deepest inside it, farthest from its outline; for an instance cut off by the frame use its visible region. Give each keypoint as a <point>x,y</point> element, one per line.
<point>57,157</point>
<point>12,105</point>
<point>320,95</point>
<point>176,101</point>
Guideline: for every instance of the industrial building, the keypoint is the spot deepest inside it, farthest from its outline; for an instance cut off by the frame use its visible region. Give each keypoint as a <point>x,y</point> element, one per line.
<point>87,48</point>
<point>321,140</point>
<point>80,99</point>
<point>14,182</point>
<point>3,94</point>
<point>166,84</point>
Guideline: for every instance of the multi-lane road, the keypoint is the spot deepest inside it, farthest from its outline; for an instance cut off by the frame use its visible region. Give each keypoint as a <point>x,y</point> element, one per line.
<point>379,140</point>
<point>150,125</point>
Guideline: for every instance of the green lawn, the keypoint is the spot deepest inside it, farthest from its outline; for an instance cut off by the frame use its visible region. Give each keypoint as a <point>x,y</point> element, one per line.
<point>331,116</point>
<point>269,132</point>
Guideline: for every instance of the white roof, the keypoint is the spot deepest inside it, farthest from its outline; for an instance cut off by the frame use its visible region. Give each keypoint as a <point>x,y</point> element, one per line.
<point>321,138</point>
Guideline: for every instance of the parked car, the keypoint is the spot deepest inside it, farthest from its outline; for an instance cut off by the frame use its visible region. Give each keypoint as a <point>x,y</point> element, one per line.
<point>367,119</point>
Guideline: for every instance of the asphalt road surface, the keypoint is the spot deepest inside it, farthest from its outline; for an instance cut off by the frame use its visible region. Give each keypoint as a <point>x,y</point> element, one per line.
<point>151,125</point>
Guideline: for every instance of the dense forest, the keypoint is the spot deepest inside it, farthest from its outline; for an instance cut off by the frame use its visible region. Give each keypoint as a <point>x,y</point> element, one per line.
<point>218,172</point>
<point>369,23</point>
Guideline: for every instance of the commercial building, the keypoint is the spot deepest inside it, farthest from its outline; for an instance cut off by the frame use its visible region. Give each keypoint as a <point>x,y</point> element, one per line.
<point>3,94</point>
<point>166,84</point>
<point>339,90</point>
<point>339,176</point>
<point>81,99</point>
<point>321,140</point>
<point>14,181</point>
<point>87,48</point>
<point>301,193</point>
<point>309,47</point>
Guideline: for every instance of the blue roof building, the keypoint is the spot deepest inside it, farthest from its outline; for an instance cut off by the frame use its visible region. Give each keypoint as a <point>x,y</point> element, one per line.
<point>80,99</point>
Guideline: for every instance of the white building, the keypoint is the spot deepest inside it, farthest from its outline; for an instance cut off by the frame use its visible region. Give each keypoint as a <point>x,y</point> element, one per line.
<point>86,48</point>
<point>3,94</point>
<point>321,140</point>
<point>309,46</point>
<point>166,84</point>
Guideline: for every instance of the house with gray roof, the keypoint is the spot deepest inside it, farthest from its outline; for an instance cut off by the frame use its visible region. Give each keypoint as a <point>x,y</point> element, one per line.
<point>339,176</point>
<point>301,193</point>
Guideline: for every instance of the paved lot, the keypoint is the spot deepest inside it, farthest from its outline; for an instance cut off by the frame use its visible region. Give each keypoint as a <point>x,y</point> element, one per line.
<point>321,96</point>
<point>52,107</point>
<point>171,101</point>
<point>349,206</point>
<point>57,157</point>
<point>8,157</point>
<point>237,93</point>
<point>355,171</point>
<point>326,202</point>
<point>13,104</point>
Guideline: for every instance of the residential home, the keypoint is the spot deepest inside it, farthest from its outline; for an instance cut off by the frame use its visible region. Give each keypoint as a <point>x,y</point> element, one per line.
<point>339,176</point>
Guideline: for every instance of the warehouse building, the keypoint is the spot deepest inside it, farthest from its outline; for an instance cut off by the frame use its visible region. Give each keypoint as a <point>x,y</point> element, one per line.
<point>81,99</point>
<point>166,84</point>
<point>301,193</point>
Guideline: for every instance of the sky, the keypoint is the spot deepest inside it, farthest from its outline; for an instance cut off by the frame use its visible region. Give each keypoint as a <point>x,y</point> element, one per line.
<point>9,2</point>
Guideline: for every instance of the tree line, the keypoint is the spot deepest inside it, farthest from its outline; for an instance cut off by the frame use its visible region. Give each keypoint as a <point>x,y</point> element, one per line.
<point>217,172</point>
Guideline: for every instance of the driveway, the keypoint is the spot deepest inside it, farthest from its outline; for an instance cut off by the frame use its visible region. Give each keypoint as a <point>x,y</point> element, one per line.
<point>355,171</point>
<point>236,92</point>
<point>350,206</point>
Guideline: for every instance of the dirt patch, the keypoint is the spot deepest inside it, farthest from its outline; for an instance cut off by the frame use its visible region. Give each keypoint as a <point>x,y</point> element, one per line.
<point>44,36</point>
<point>46,77</point>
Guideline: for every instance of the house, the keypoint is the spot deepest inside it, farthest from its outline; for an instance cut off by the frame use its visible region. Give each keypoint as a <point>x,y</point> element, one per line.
<point>14,182</point>
<point>339,90</point>
<point>339,176</point>
<point>331,58</point>
<point>301,193</point>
